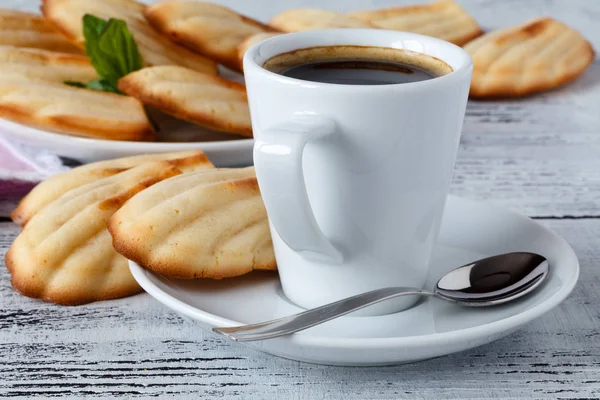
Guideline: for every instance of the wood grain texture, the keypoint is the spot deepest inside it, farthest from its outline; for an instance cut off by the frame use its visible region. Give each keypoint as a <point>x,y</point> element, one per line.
<point>136,348</point>
<point>539,156</point>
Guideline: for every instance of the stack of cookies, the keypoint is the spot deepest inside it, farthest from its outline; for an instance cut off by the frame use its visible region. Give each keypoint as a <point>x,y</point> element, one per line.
<point>181,42</point>
<point>173,213</point>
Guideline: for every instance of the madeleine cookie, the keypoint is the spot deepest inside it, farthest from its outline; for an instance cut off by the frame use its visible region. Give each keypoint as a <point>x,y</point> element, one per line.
<point>307,19</point>
<point>209,29</point>
<point>64,254</point>
<point>52,188</point>
<point>209,224</point>
<point>22,29</point>
<point>249,42</point>
<point>203,99</point>
<point>538,55</point>
<point>33,92</point>
<point>66,16</point>
<point>28,64</point>
<point>443,19</point>
<point>73,111</point>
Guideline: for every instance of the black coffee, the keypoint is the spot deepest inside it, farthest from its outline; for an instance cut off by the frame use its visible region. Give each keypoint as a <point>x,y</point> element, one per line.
<point>358,72</point>
<point>357,65</point>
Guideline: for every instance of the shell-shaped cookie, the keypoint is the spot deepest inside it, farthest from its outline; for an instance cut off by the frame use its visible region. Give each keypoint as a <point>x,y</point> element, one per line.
<point>443,19</point>
<point>538,55</point>
<point>209,29</point>
<point>203,99</point>
<point>249,42</point>
<point>23,29</point>
<point>308,19</point>
<point>155,49</point>
<point>80,112</point>
<point>54,187</point>
<point>28,64</point>
<point>209,224</point>
<point>33,92</point>
<point>64,254</point>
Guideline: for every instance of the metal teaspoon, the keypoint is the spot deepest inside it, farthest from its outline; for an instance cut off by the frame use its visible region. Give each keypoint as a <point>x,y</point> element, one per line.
<point>487,282</point>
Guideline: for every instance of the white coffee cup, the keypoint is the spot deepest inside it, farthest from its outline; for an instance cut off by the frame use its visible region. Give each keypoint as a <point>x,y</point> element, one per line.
<point>354,178</point>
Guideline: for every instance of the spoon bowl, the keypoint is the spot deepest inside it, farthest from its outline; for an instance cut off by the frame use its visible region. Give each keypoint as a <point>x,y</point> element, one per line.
<point>493,280</point>
<point>487,282</point>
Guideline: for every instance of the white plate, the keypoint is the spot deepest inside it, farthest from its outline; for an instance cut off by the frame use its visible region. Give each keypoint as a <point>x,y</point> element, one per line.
<point>433,328</point>
<point>222,149</point>
<point>175,135</point>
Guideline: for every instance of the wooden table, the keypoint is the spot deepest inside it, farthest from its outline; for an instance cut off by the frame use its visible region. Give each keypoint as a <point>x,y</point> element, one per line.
<point>539,156</point>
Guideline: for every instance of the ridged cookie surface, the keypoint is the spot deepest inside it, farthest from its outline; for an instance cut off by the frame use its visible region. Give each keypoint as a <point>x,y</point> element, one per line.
<point>443,19</point>
<point>64,254</point>
<point>52,188</point>
<point>209,29</point>
<point>209,224</point>
<point>203,99</point>
<point>23,29</point>
<point>307,19</point>
<point>155,49</point>
<point>42,65</point>
<point>33,93</point>
<point>74,111</point>
<point>538,55</point>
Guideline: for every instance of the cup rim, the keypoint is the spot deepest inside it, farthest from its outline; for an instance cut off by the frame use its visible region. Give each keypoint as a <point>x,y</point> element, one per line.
<point>253,60</point>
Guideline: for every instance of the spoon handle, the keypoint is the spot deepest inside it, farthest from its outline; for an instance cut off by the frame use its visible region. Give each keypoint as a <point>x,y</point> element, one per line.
<point>316,316</point>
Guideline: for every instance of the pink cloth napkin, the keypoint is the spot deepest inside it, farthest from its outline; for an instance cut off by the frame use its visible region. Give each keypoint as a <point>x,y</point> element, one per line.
<point>22,167</point>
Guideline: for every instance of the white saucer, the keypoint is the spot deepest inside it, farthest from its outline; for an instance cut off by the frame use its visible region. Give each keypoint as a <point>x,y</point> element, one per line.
<point>433,328</point>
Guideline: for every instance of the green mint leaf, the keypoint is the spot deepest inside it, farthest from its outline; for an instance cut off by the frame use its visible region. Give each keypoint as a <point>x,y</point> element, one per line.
<point>117,39</point>
<point>103,85</point>
<point>92,29</point>
<point>110,47</point>
<point>100,84</point>
<point>112,51</point>
<point>76,84</point>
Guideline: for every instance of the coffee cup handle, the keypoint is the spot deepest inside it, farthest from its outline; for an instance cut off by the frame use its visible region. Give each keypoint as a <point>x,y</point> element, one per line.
<point>278,161</point>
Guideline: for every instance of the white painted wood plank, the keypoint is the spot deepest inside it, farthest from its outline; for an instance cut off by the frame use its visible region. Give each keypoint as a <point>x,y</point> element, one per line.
<point>136,348</point>
<point>536,174</point>
<point>6,207</point>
